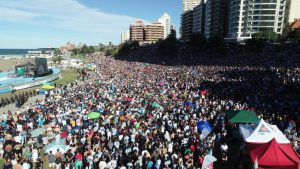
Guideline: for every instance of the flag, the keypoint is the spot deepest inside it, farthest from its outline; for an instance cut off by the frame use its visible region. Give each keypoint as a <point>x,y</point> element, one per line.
<point>208,162</point>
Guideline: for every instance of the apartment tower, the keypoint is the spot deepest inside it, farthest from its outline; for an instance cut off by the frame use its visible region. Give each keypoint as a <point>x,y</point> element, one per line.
<point>251,16</point>
<point>154,32</point>
<point>165,20</point>
<point>137,31</point>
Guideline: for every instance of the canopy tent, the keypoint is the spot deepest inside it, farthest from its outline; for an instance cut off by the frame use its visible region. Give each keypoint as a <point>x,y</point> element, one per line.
<point>56,145</point>
<point>205,128</point>
<point>274,155</point>
<point>94,115</point>
<point>242,116</point>
<point>37,132</point>
<point>47,87</point>
<point>263,133</point>
<point>208,161</point>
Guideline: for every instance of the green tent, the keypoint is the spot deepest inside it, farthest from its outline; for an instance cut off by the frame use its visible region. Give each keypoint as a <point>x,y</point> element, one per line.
<point>93,115</point>
<point>241,116</point>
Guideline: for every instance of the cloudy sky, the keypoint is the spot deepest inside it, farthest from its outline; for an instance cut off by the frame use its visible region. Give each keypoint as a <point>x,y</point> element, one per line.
<point>52,23</point>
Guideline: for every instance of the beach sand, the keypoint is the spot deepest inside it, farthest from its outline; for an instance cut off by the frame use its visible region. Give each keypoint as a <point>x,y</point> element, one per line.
<point>9,64</point>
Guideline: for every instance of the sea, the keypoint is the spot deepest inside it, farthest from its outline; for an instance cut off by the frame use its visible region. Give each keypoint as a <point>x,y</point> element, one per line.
<point>14,53</point>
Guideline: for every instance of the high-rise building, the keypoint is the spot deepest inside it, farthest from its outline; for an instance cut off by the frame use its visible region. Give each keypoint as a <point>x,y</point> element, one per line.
<point>199,17</point>
<point>137,31</point>
<point>125,36</point>
<point>292,11</point>
<point>165,20</point>
<point>215,18</point>
<point>188,5</point>
<point>251,16</point>
<point>186,26</point>
<point>154,32</point>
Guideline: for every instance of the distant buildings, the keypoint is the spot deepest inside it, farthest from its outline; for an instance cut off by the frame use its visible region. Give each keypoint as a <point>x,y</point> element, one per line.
<point>215,18</point>
<point>165,20</point>
<point>154,32</point>
<point>236,19</point>
<point>125,36</point>
<point>186,26</point>
<point>249,17</point>
<point>292,11</point>
<point>188,5</point>
<point>149,33</point>
<point>199,18</point>
<point>137,31</point>
<point>68,47</point>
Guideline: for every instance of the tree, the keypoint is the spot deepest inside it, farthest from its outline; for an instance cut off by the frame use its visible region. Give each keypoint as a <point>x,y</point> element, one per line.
<point>265,35</point>
<point>217,44</point>
<point>57,51</point>
<point>57,59</point>
<point>167,47</point>
<point>294,35</point>
<point>110,51</point>
<point>198,41</point>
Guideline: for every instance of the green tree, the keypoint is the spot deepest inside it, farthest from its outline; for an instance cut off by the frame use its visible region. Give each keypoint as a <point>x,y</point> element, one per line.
<point>167,47</point>
<point>294,35</point>
<point>57,51</point>
<point>265,35</point>
<point>198,41</point>
<point>57,59</point>
<point>216,44</point>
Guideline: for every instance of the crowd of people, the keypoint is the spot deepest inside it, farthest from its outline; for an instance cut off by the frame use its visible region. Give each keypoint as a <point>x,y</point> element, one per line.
<point>148,116</point>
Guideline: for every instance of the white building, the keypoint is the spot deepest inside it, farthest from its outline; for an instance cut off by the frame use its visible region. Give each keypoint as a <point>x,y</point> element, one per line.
<point>165,20</point>
<point>188,5</point>
<point>251,16</point>
<point>125,36</point>
<point>293,10</point>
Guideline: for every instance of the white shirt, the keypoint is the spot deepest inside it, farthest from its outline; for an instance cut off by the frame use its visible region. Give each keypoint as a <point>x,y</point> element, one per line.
<point>102,165</point>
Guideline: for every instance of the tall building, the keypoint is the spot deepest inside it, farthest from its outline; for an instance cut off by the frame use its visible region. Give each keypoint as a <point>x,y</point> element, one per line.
<point>186,26</point>
<point>154,32</point>
<point>125,36</point>
<point>248,17</point>
<point>292,11</point>
<point>165,20</point>
<point>215,18</point>
<point>199,17</point>
<point>137,31</point>
<point>188,5</point>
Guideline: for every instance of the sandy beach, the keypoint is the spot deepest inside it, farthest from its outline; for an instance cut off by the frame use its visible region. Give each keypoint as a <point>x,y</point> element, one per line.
<point>9,64</point>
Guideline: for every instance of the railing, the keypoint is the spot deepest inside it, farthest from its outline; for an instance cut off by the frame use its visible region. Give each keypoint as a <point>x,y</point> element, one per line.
<point>39,81</point>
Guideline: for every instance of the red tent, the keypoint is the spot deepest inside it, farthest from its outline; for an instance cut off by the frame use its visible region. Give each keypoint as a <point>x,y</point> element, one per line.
<point>275,156</point>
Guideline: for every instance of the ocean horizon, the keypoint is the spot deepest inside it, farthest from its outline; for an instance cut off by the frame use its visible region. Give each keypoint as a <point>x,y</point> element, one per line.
<point>14,52</point>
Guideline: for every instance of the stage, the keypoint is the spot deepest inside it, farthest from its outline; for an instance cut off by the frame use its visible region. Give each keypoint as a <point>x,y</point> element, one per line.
<point>8,84</point>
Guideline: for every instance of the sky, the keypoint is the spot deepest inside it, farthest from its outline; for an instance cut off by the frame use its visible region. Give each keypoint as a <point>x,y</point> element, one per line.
<point>52,23</point>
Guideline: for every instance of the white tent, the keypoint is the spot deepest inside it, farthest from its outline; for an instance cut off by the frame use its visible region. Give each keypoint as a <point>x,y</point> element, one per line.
<point>263,133</point>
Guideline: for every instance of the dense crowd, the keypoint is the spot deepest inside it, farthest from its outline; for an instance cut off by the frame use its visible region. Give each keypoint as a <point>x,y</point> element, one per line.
<point>149,116</point>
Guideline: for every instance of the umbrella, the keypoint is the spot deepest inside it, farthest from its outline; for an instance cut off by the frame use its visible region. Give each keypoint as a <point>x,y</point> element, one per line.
<point>93,115</point>
<point>37,132</point>
<point>208,161</point>
<point>56,145</point>
<point>204,128</point>
<point>48,87</point>
<point>137,125</point>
